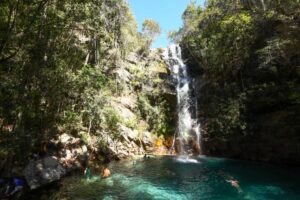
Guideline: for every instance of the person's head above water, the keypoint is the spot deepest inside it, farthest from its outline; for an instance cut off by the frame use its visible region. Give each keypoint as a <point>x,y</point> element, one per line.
<point>105,166</point>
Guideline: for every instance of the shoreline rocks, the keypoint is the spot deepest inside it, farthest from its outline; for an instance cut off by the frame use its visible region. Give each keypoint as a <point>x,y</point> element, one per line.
<point>64,155</point>
<point>44,171</point>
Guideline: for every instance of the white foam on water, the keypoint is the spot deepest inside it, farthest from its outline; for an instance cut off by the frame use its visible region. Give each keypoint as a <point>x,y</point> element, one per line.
<point>186,160</point>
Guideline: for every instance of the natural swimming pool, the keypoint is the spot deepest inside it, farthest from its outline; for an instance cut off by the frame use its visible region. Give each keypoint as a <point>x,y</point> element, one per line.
<point>168,177</point>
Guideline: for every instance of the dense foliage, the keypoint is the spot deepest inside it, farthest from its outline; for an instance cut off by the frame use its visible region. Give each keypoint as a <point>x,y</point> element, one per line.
<point>58,62</point>
<point>66,65</point>
<point>246,55</point>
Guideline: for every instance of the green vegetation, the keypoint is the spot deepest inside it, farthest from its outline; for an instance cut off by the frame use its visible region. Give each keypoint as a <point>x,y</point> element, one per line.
<point>247,55</point>
<point>59,63</point>
<point>156,114</point>
<point>150,30</point>
<point>67,66</point>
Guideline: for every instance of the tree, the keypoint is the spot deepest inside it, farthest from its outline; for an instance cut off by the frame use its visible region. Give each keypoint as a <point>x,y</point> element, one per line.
<point>246,52</point>
<point>150,30</point>
<point>190,17</point>
<point>54,62</point>
<point>174,36</point>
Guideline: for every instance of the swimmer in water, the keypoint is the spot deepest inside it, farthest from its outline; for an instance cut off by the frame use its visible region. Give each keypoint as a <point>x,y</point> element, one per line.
<point>235,183</point>
<point>146,156</point>
<point>229,179</point>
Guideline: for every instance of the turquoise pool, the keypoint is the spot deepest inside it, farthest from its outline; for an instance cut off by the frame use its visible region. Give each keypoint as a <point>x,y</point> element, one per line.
<point>180,178</point>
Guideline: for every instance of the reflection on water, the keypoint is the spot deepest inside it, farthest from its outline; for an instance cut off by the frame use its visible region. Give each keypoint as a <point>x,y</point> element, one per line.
<point>186,178</point>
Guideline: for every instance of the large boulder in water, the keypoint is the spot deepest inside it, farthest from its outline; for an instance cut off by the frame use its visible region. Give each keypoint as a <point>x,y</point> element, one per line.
<point>44,171</point>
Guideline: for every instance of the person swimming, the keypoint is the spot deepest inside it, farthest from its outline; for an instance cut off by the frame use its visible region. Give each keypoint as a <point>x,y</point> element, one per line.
<point>146,156</point>
<point>229,179</point>
<point>235,184</point>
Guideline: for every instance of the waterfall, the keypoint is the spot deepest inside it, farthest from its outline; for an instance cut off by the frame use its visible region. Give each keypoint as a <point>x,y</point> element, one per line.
<point>263,4</point>
<point>188,129</point>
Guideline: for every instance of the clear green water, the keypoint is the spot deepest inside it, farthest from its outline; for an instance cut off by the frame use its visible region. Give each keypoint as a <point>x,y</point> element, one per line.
<point>201,178</point>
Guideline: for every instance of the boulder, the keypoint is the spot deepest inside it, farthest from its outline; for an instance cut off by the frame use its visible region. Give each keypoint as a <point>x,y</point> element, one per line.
<point>73,158</point>
<point>66,139</point>
<point>127,146</point>
<point>44,171</point>
<point>148,139</point>
<point>169,142</point>
<point>132,135</point>
<point>72,152</point>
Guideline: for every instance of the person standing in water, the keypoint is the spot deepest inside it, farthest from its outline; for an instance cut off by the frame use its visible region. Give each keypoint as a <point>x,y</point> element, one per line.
<point>87,173</point>
<point>105,172</point>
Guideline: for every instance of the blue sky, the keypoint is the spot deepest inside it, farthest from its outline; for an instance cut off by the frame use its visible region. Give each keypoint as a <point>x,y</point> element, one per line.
<point>166,12</point>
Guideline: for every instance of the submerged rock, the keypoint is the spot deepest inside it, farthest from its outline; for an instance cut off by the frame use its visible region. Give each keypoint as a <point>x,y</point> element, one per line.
<point>44,171</point>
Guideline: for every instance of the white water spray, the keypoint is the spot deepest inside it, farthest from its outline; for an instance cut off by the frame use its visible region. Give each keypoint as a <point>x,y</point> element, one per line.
<point>263,4</point>
<point>188,130</point>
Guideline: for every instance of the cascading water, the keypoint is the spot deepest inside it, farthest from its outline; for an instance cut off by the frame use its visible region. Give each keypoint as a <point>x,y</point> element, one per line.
<point>263,4</point>
<point>188,129</point>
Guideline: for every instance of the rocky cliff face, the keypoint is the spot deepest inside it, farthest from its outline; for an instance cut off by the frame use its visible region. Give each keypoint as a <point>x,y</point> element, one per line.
<point>146,106</point>
<point>143,116</point>
<point>255,122</point>
<point>244,58</point>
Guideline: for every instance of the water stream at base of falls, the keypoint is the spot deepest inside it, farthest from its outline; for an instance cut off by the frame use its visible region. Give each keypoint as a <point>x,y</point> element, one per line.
<point>188,134</point>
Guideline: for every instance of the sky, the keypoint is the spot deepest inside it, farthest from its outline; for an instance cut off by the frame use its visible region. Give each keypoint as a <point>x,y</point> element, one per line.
<point>166,12</point>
